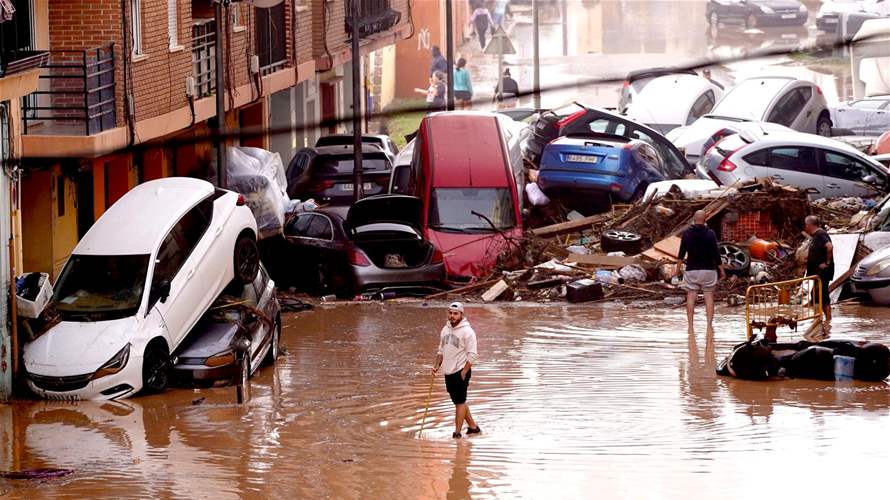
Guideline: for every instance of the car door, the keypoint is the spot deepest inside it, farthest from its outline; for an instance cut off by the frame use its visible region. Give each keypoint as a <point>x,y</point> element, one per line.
<point>178,265</point>
<point>301,255</point>
<point>845,175</point>
<point>795,166</point>
<point>320,235</point>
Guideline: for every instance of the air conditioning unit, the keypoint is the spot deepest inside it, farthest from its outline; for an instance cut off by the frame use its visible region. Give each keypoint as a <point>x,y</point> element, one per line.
<point>254,64</point>
<point>190,89</point>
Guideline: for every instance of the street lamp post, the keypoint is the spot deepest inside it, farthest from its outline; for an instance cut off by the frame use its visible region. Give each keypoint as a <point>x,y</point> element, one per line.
<point>356,105</point>
<point>219,142</point>
<point>449,54</point>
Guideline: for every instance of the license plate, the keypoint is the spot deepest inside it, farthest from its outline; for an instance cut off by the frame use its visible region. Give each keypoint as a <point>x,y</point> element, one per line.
<point>349,187</point>
<point>789,16</point>
<point>582,158</point>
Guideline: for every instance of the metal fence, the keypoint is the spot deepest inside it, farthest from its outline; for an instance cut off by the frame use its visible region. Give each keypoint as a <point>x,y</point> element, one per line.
<point>204,57</point>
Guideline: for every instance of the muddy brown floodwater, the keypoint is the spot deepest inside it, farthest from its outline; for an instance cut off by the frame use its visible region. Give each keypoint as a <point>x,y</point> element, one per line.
<point>597,401</point>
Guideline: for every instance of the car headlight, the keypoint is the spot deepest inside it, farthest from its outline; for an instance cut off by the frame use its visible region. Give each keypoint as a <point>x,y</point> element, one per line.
<point>221,359</point>
<point>766,10</point>
<point>115,364</point>
<point>878,268</point>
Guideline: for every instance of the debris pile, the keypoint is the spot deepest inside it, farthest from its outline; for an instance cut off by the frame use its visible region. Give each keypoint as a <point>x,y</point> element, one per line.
<point>631,252</point>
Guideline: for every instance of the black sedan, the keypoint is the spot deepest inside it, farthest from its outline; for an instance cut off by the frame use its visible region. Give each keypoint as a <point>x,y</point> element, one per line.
<point>754,13</point>
<point>325,173</point>
<point>241,331</point>
<point>377,246</point>
<point>579,120</point>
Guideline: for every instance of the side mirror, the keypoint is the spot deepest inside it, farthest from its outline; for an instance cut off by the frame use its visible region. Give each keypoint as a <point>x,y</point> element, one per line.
<point>163,291</point>
<point>870,179</point>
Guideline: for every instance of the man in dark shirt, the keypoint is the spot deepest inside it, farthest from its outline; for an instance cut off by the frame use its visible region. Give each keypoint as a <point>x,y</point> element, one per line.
<point>698,247</point>
<point>820,262</point>
<point>509,87</point>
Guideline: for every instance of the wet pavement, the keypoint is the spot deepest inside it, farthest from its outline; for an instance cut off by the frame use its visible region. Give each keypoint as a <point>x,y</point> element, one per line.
<point>574,401</point>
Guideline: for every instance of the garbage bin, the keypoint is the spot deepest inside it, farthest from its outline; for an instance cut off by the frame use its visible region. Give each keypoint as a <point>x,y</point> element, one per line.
<point>33,291</point>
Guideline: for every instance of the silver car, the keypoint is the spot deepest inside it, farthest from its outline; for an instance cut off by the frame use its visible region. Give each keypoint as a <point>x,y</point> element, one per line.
<point>824,167</point>
<point>869,116</point>
<point>872,275</point>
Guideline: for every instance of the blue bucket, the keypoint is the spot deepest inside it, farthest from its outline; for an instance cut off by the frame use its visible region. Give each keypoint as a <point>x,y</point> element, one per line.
<point>843,367</point>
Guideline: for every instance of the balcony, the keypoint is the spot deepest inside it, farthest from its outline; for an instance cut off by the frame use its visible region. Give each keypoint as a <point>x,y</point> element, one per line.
<point>76,96</point>
<point>375,16</point>
<point>204,57</point>
<point>271,38</point>
<point>22,60</point>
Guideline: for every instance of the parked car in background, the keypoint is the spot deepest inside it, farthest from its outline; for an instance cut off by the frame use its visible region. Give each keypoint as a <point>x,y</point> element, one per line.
<point>325,174</point>
<point>465,174</point>
<point>240,332</point>
<point>136,284</point>
<point>599,168</point>
<point>872,276</point>
<point>578,119</point>
<point>830,12</point>
<point>789,102</point>
<point>868,116</point>
<point>824,167</point>
<point>384,142</point>
<point>636,81</point>
<point>378,245</point>
<point>690,97</point>
<point>754,13</point>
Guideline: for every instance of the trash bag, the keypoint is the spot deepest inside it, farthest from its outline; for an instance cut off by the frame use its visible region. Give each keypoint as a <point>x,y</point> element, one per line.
<point>258,175</point>
<point>633,273</point>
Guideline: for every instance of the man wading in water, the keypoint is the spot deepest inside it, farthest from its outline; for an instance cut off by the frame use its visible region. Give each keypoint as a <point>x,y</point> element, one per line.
<point>457,353</point>
<point>703,267</point>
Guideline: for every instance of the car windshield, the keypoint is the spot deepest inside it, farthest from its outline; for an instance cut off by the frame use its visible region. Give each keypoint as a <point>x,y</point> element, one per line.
<point>456,209</point>
<point>343,164</point>
<point>100,287</point>
<point>750,99</point>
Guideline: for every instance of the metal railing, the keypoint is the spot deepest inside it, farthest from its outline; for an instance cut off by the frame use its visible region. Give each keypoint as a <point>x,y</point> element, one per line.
<point>783,303</point>
<point>204,57</point>
<point>374,16</point>
<point>77,93</point>
<point>271,39</point>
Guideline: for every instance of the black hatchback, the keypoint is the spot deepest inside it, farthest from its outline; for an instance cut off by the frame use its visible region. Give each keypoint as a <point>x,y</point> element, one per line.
<point>752,13</point>
<point>325,174</point>
<point>579,120</point>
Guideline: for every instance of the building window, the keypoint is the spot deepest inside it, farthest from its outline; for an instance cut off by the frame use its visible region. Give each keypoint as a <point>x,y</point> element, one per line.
<point>172,23</point>
<point>136,26</point>
<point>235,10</point>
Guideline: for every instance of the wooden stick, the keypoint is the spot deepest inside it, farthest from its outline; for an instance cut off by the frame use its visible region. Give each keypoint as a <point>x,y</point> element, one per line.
<point>429,394</point>
<point>468,288</point>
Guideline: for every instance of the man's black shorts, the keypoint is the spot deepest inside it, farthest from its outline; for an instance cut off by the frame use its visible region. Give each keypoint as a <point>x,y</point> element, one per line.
<point>457,387</point>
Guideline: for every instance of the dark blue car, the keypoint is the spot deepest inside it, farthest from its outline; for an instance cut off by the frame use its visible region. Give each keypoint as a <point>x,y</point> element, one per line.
<point>599,167</point>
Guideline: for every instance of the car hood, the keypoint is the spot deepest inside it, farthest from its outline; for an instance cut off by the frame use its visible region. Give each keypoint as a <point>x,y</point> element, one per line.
<point>77,348</point>
<point>394,208</point>
<point>779,4</point>
<point>874,258</point>
<point>470,255</point>
<point>208,339</point>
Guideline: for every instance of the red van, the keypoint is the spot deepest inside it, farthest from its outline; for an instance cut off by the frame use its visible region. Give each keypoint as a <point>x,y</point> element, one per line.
<point>462,171</point>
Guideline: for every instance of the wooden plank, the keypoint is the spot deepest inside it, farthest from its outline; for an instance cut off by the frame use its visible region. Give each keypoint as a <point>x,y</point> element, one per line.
<point>495,291</point>
<point>568,227</point>
<point>463,289</point>
<point>601,260</point>
<point>670,246</point>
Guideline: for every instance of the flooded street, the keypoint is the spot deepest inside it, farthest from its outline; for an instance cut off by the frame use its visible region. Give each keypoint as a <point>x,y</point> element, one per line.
<point>614,400</point>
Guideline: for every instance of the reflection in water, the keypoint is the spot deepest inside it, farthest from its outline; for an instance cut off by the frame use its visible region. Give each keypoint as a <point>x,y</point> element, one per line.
<point>571,399</point>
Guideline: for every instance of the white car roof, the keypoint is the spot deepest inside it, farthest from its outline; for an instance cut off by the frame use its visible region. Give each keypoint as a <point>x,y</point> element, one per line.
<point>751,98</point>
<point>803,139</point>
<point>668,99</point>
<point>137,222</point>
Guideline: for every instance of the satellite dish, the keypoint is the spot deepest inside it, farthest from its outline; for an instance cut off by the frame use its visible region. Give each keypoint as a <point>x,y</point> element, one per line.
<point>263,4</point>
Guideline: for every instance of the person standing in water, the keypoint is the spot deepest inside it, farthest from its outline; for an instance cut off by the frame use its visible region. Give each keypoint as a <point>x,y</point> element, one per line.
<point>704,268</point>
<point>456,355</point>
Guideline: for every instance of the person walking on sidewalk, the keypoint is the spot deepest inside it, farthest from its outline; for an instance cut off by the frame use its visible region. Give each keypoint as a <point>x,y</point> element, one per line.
<point>463,86</point>
<point>698,247</point>
<point>481,20</point>
<point>820,262</point>
<point>456,355</point>
<point>439,63</point>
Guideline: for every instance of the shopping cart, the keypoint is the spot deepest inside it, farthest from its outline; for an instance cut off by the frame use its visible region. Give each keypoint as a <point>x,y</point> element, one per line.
<point>789,303</point>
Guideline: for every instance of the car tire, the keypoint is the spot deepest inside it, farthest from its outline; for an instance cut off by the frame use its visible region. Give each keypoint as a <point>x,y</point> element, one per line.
<point>275,347</point>
<point>735,259</point>
<point>246,258</point>
<point>616,240</point>
<point>750,22</point>
<point>155,368</point>
<point>823,125</point>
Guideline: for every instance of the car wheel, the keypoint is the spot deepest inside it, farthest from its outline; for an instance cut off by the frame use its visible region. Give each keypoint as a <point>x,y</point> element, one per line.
<point>274,349</point>
<point>735,259</point>
<point>155,366</point>
<point>823,125</point>
<point>713,19</point>
<point>750,21</point>
<point>247,259</point>
<point>615,240</point>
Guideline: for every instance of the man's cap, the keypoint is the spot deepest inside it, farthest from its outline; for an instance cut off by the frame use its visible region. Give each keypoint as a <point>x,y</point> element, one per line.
<point>456,306</point>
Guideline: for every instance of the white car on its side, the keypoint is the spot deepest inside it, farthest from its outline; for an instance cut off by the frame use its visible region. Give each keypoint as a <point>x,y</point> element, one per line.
<point>825,168</point>
<point>672,101</point>
<point>781,101</point>
<point>868,116</point>
<point>136,284</point>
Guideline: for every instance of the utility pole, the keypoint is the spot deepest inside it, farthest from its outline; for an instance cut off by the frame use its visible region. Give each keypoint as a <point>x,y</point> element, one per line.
<point>449,54</point>
<point>219,19</point>
<point>536,58</point>
<point>356,104</point>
